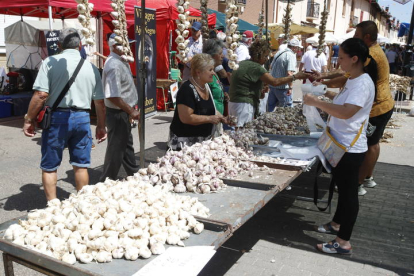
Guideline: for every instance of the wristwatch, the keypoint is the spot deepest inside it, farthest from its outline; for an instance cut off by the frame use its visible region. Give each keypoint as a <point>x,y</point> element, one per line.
<point>293,77</point>
<point>26,118</point>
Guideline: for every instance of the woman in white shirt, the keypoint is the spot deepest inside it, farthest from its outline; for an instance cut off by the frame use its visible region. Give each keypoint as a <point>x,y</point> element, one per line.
<point>349,110</point>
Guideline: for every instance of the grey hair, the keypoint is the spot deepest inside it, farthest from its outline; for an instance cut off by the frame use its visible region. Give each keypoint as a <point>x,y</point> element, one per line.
<point>69,38</point>
<point>201,62</point>
<point>212,46</point>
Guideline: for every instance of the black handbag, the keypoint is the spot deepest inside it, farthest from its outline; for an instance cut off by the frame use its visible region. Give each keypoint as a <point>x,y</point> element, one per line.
<point>44,117</point>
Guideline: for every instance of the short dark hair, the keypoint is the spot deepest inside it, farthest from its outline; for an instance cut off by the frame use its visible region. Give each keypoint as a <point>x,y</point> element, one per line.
<point>369,27</point>
<point>258,48</point>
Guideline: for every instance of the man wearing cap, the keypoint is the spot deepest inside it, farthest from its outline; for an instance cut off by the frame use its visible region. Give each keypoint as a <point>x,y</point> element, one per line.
<point>283,65</point>
<point>195,46</point>
<point>242,50</point>
<point>282,43</point>
<point>120,98</point>
<point>70,122</point>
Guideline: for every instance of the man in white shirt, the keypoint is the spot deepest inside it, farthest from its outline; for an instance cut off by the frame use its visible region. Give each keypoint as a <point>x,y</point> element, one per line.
<point>391,56</point>
<point>195,46</point>
<point>243,50</point>
<point>310,62</point>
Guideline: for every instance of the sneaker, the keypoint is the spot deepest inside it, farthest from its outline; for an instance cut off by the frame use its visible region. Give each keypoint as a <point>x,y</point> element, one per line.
<point>369,182</point>
<point>361,190</point>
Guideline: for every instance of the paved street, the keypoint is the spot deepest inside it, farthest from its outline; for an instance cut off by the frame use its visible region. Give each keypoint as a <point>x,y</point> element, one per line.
<point>279,239</point>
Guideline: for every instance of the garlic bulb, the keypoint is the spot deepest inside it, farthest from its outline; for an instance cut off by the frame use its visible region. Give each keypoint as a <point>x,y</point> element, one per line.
<point>69,258</point>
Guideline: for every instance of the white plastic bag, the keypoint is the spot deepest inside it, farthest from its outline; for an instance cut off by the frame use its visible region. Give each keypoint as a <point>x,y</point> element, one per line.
<point>313,118</point>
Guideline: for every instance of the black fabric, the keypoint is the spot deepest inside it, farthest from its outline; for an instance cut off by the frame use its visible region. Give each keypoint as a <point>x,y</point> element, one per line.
<point>345,176</point>
<point>187,96</point>
<point>380,122</point>
<point>120,148</point>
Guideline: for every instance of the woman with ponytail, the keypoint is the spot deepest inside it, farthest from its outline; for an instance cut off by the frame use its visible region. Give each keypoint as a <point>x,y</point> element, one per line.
<point>349,111</point>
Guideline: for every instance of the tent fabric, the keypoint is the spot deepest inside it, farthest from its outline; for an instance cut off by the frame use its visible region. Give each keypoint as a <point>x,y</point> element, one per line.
<point>221,22</point>
<point>21,33</point>
<point>404,29</point>
<point>166,14</point>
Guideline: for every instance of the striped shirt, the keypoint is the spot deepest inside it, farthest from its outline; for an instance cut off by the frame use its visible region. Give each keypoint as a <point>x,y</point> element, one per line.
<point>282,63</point>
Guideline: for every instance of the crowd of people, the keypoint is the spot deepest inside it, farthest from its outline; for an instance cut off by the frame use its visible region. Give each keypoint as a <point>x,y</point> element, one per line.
<point>209,92</point>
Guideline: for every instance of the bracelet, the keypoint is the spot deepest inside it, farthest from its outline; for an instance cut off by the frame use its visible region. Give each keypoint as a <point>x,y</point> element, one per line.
<point>293,78</point>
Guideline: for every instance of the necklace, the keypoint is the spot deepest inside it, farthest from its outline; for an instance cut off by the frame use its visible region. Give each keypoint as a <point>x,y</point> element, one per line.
<point>198,84</point>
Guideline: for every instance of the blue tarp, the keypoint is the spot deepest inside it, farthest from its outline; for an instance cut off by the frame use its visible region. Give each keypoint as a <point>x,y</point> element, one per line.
<point>404,29</point>
<point>221,22</point>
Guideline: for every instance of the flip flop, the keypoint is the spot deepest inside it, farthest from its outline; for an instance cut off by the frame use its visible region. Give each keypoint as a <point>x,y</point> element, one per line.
<point>330,230</point>
<point>334,248</point>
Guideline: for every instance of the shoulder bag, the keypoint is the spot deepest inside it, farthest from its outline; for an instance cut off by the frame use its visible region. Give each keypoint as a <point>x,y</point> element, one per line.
<point>44,117</point>
<point>332,149</point>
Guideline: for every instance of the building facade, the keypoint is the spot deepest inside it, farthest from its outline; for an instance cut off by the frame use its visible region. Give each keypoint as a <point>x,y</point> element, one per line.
<point>343,14</point>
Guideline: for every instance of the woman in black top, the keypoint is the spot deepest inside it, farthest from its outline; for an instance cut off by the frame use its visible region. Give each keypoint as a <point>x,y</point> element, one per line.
<point>195,115</point>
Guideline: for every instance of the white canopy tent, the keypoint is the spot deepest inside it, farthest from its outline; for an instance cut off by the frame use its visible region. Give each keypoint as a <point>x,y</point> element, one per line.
<point>329,38</point>
<point>26,44</point>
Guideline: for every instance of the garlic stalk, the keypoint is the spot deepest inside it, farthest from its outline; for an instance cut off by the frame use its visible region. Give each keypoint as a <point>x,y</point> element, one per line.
<point>121,31</point>
<point>204,19</point>
<point>182,29</point>
<point>84,9</point>
<point>232,35</point>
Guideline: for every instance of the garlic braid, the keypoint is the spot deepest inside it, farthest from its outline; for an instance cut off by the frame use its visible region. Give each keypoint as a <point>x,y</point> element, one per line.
<point>84,9</point>
<point>182,30</point>
<point>120,30</point>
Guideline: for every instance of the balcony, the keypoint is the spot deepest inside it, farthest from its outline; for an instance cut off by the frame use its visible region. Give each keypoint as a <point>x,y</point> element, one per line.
<point>312,12</point>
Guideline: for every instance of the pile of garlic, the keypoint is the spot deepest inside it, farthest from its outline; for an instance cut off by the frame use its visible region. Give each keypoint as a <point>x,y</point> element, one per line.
<point>120,30</point>
<point>245,137</point>
<point>232,35</point>
<point>84,9</point>
<point>199,168</point>
<point>115,219</point>
<point>182,29</point>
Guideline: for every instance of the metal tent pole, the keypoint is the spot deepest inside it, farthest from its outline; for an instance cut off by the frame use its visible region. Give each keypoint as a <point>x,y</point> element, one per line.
<point>49,9</point>
<point>142,94</point>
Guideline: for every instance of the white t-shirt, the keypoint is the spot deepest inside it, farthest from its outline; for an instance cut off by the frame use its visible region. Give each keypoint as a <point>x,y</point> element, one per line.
<point>242,52</point>
<point>361,92</point>
<point>311,62</point>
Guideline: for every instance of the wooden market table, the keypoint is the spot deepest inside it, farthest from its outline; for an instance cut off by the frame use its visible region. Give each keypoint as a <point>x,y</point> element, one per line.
<point>230,208</point>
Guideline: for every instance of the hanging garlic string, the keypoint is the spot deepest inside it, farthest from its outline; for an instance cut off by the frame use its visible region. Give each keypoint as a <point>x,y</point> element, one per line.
<point>84,9</point>
<point>322,29</point>
<point>287,20</point>
<point>204,19</point>
<point>121,30</point>
<point>182,30</point>
<point>232,35</point>
<point>261,21</point>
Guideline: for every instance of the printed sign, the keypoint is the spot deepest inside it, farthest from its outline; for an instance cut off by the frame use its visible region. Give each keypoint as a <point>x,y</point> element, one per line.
<point>52,39</point>
<point>150,58</point>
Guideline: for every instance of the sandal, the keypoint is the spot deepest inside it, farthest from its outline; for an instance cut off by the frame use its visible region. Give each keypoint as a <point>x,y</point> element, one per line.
<point>334,248</point>
<point>330,230</point>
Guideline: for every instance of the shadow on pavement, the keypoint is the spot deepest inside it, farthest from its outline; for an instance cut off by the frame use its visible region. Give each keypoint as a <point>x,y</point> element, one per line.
<point>31,197</point>
<point>382,237</point>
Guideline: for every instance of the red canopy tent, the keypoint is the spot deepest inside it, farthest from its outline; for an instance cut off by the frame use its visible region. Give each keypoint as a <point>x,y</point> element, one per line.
<point>166,14</point>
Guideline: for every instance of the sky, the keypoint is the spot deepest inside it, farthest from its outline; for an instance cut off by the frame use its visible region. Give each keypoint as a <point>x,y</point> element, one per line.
<point>397,10</point>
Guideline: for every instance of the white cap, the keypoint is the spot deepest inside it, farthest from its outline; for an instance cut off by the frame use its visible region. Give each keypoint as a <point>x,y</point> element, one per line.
<point>315,44</point>
<point>294,42</point>
<point>281,35</point>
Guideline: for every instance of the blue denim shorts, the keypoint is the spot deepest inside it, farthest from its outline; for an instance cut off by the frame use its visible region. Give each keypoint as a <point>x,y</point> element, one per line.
<point>68,129</point>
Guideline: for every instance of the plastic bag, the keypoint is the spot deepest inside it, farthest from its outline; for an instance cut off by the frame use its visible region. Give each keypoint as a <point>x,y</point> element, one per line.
<point>313,118</point>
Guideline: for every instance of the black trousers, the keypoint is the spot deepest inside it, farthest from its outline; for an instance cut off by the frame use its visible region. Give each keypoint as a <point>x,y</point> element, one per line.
<point>345,176</point>
<point>120,149</point>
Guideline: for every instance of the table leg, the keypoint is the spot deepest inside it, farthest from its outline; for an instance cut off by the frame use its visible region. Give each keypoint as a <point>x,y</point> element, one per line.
<point>8,265</point>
